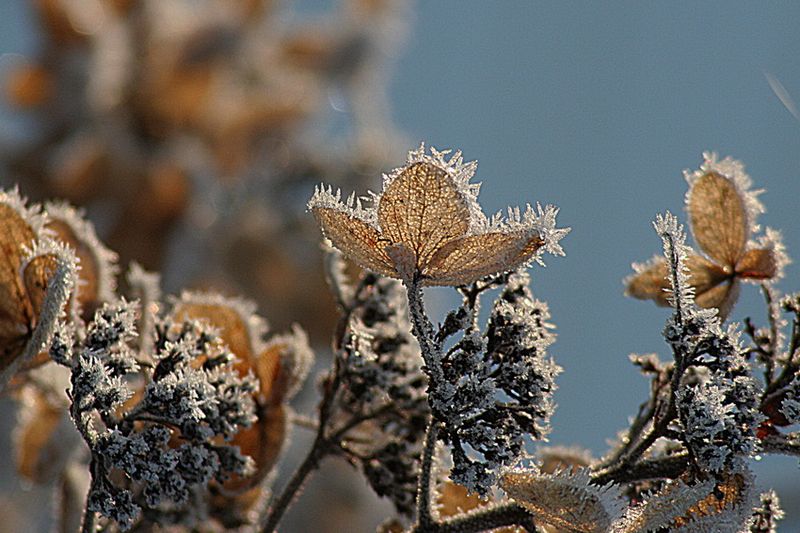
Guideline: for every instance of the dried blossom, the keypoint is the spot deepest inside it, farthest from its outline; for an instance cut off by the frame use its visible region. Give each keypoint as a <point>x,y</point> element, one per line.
<point>426,225</point>
<point>722,209</point>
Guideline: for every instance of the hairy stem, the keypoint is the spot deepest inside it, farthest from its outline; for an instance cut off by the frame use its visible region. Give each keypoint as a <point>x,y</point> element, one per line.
<point>483,520</point>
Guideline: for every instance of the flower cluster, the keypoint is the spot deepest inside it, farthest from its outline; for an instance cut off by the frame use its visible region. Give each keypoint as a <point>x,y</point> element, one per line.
<point>497,387</point>
<point>166,439</point>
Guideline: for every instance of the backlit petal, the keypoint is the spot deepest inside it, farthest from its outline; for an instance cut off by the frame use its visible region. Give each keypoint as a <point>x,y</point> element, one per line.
<point>356,239</point>
<point>467,259</point>
<point>718,218</point>
<point>423,209</point>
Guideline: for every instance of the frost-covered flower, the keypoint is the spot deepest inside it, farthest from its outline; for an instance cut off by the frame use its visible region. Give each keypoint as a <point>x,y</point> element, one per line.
<point>426,225</point>
<point>722,209</point>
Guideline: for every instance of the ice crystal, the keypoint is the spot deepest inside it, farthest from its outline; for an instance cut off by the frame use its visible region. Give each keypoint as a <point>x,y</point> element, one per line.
<point>426,225</point>
<point>767,514</point>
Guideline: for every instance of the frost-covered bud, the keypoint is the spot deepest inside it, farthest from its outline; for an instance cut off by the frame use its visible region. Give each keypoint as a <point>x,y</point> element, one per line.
<point>116,504</point>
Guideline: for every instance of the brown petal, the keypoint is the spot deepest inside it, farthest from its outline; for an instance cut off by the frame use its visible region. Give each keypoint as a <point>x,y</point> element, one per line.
<point>16,313</point>
<point>757,264</point>
<point>723,297</point>
<point>97,263</point>
<point>718,217</point>
<point>464,260</point>
<point>233,329</point>
<point>357,240</point>
<point>652,283</point>
<point>423,209</point>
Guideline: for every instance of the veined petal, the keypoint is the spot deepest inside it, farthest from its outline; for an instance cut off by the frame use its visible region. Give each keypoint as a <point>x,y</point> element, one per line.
<point>467,259</point>
<point>357,239</point>
<point>722,296</point>
<point>423,209</point>
<point>718,217</point>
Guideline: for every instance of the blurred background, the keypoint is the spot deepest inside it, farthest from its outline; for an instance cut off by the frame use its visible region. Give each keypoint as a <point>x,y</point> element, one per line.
<point>194,131</point>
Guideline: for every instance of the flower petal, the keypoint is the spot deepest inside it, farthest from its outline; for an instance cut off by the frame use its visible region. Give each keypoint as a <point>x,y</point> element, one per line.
<point>356,239</point>
<point>719,218</point>
<point>423,209</point>
<point>651,282</point>
<point>759,263</point>
<point>467,259</point>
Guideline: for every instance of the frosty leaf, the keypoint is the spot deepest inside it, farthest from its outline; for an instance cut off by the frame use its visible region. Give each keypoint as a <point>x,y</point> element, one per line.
<point>565,500</point>
<point>722,209</point>
<point>659,510</point>
<point>466,259</point>
<point>423,209</point>
<point>718,217</point>
<point>356,239</point>
<point>427,226</point>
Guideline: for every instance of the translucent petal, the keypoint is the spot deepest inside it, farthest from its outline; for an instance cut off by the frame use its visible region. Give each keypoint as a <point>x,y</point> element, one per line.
<point>719,218</point>
<point>759,263</point>
<point>423,209</point>
<point>723,297</point>
<point>97,263</point>
<point>16,314</point>
<point>356,239</point>
<point>467,259</point>
<point>651,282</point>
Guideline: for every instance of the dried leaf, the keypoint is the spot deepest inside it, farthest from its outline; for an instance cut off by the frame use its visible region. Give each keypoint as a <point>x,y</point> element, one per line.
<point>651,281</point>
<point>97,263</point>
<point>427,226</point>
<point>718,217</point>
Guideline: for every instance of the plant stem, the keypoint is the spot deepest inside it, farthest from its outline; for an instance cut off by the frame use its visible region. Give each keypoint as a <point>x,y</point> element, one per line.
<point>279,507</point>
<point>424,516</point>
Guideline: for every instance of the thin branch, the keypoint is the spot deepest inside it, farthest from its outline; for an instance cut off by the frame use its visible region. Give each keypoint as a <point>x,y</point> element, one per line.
<point>424,515</point>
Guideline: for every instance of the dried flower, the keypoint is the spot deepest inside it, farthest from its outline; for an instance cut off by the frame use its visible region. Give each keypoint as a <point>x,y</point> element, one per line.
<point>426,225</point>
<point>722,209</point>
